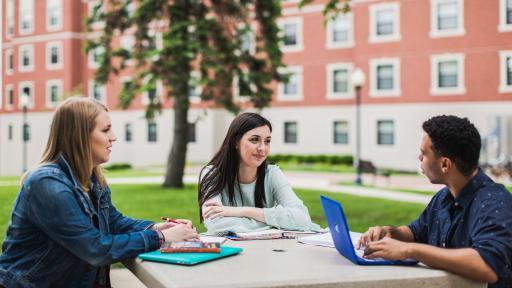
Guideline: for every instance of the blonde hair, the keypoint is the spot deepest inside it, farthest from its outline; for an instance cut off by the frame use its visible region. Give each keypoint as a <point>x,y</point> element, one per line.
<point>70,135</point>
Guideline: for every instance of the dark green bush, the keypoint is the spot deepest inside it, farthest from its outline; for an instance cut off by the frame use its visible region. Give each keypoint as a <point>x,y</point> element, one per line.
<point>312,159</point>
<point>118,166</point>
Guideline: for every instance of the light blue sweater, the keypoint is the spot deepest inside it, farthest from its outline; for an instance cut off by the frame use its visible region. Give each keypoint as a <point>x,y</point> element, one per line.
<point>283,209</point>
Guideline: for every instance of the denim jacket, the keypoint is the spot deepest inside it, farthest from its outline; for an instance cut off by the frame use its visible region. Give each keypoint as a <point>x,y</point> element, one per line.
<point>51,240</point>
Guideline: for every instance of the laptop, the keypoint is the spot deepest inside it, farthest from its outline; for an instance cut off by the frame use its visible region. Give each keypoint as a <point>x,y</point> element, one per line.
<point>189,259</point>
<point>344,243</point>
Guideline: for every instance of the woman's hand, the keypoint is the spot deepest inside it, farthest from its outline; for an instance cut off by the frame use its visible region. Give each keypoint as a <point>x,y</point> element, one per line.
<point>214,209</point>
<point>180,232</point>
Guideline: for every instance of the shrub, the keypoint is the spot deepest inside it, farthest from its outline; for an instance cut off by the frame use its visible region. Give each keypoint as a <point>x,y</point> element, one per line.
<point>118,166</point>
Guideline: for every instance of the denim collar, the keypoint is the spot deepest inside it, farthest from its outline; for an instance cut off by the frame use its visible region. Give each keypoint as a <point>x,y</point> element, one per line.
<point>64,165</point>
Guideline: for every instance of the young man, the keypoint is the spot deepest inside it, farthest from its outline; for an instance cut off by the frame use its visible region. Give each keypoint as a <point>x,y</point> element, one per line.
<point>467,226</point>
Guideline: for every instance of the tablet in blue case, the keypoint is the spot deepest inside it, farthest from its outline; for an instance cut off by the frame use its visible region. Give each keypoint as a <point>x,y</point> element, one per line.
<point>189,258</point>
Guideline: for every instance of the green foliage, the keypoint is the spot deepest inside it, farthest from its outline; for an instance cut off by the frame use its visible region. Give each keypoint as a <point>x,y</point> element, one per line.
<point>118,166</point>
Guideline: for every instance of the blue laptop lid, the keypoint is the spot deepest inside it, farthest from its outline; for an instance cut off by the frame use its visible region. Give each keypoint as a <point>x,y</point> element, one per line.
<point>189,258</point>
<point>341,236</point>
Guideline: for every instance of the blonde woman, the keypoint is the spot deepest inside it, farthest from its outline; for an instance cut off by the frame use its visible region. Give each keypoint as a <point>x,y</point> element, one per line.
<point>64,230</point>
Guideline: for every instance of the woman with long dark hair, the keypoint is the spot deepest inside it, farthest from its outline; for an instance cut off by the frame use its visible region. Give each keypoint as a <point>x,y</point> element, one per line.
<point>240,192</point>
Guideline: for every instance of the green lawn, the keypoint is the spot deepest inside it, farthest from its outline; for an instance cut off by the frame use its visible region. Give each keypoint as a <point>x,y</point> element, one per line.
<point>151,202</point>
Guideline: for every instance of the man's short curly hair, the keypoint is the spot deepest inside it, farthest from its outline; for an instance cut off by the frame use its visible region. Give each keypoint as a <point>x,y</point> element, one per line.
<point>455,138</point>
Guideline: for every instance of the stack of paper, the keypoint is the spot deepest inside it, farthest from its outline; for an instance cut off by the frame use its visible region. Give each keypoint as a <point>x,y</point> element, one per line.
<point>323,239</point>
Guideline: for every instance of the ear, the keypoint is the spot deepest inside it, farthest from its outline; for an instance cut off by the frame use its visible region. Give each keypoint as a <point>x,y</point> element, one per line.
<point>446,164</point>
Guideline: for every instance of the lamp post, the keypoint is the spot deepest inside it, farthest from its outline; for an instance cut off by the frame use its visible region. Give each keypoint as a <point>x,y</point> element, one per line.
<point>358,78</point>
<point>24,105</point>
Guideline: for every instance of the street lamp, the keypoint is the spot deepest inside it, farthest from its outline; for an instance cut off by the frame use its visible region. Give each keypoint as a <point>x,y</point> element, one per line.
<point>25,99</point>
<point>357,79</point>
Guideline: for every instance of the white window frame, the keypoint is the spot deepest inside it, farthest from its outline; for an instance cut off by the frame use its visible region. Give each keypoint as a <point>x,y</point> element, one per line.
<point>30,49</point>
<point>60,63</point>
<point>90,8</point>
<point>49,84</point>
<point>504,88</point>
<point>9,23</point>
<point>374,64</point>
<point>434,29</point>
<point>333,132</point>
<point>9,87</point>
<point>395,131</point>
<point>297,142</point>
<point>195,76</point>
<point>252,35</point>
<point>236,90</point>
<point>127,42</point>
<point>331,44</point>
<point>503,26</point>
<point>300,83</point>
<point>20,27</point>
<point>299,47</point>
<point>90,57</point>
<point>434,79</point>
<point>159,93</point>
<point>331,94</point>
<point>58,26</point>
<point>374,9</point>
<point>9,54</point>
<point>31,99</point>
<point>103,91</point>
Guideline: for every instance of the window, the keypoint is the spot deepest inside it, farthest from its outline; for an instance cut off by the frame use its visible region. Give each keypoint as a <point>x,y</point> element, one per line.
<point>447,18</point>
<point>290,132</point>
<point>247,39</point>
<point>338,81</point>
<point>291,31</point>
<point>192,133</point>
<point>9,18</point>
<point>26,133</point>
<point>128,132</point>
<point>194,89</point>
<point>385,132</point>
<point>152,132</point>
<point>95,9</point>
<point>9,59</point>
<point>340,31</point>
<point>9,132</point>
<point>505,72</point>
<point>505,16</point>
<point>26,88</point>
<point>26,58</point>
<point>97,91</point>
<point>53,15</point>
<point>26,16</point>
<point>54,55</point>
<point>385,22</point>
<point>154,94</point>
<point>242,87</point>
<point>53,92</point>
<point>340,132</point>
<point>95,57</point>
<point>291,89</point>
<point>9,94</point>
<point>385,77</point>
<point>447,74</point>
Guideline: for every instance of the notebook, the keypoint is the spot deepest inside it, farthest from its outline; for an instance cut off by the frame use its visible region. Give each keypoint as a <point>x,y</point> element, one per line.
<point>268,234</point>
<point>189,259</point>
<point>344,243</point>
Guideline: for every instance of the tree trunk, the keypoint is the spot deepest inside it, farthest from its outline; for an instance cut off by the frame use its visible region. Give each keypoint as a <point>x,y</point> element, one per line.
<point>177,156</point>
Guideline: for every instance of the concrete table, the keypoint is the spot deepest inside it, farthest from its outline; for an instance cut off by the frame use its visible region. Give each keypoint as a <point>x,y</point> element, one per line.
<point>287,263</point>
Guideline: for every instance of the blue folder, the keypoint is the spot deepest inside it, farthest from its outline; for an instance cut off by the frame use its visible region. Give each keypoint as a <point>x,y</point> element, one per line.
<point>189,258</point>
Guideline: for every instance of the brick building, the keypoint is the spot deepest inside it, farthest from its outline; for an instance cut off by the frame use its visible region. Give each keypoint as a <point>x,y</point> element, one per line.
<point>421,58</point>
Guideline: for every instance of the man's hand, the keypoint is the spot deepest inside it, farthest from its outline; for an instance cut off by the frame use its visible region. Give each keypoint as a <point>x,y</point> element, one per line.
<point>374,234</point>
<point>214,209</point>
<point>166,225</point>
<point>387,248</point>
<point>180,232</point>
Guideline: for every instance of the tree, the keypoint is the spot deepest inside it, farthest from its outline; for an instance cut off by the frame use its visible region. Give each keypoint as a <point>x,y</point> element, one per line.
<point>203,36</point>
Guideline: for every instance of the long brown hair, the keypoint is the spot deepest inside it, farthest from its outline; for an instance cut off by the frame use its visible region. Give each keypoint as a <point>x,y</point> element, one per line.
<point>224,167</point>
<point>70,136</point>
